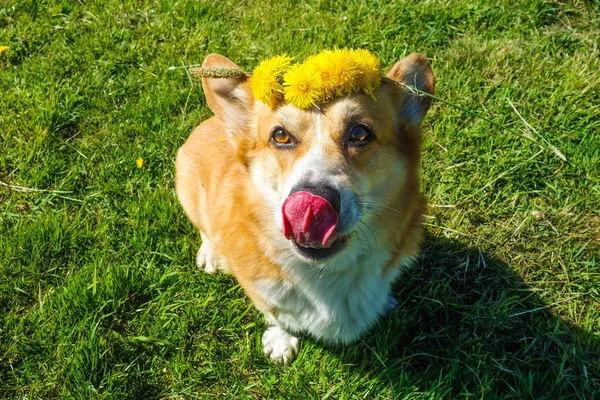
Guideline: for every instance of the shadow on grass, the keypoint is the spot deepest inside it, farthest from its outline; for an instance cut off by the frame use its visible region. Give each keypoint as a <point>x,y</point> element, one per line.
<point>467,326</point>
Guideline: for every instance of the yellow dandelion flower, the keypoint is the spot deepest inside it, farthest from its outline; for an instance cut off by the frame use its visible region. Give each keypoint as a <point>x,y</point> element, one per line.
<point>369,77</point>
<point>320,78</point>
<point>332,72</point>
<point>347,69</point>
<point>312,67</point>
<point>3,49</point>
<point>301,86</point>
<point>140,162</point>
<point>267,78</point>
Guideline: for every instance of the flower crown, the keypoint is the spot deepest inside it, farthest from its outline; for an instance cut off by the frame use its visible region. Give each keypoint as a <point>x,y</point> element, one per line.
<point>320,78</point>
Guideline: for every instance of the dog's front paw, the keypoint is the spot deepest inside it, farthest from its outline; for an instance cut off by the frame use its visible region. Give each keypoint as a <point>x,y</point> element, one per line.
<point>280,346</point>
<point>205,258</point>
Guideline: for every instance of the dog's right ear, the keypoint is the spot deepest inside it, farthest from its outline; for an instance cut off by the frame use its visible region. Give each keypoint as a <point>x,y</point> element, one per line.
<point>229,98</point>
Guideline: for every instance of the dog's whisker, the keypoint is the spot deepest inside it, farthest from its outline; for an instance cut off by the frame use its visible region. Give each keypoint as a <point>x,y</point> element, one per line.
<point>362,247</point>
<point>367,236</point>
<point>380,205</point>
<point>372,212</point>
<point>355,232</point>
<point>372,194</point>
<point>370,230</point>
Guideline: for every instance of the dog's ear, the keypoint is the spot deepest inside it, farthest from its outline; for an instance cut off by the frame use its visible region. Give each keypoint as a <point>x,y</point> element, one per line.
<point>229,98</point>
<point>414,71</point>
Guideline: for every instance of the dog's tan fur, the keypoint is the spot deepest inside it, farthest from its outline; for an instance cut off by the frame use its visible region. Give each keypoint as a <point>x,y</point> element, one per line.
<point>229,178</point>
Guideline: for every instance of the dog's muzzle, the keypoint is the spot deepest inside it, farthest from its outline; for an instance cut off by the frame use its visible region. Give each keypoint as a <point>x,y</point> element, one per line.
<point>310,215</point>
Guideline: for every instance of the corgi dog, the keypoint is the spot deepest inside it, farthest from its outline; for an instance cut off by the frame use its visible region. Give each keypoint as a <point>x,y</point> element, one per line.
<point>314,211</point>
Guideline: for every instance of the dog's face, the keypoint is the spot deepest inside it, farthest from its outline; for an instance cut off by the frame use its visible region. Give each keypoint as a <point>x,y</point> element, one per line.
<point>330,175</point>
<point>346,152</point>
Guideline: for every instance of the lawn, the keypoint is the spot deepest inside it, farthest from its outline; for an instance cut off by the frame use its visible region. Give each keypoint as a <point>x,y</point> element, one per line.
<point>99,294</point>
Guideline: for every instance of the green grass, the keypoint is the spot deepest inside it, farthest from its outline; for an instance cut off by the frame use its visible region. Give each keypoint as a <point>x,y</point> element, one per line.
<point>99,295</point>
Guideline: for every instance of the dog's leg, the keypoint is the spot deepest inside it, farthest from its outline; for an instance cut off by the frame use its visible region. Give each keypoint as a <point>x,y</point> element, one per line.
<point>206,258</point>
<point>280,346</point>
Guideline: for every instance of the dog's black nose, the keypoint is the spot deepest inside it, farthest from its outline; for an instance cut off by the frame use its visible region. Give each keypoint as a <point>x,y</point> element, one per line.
<point>327,192</point>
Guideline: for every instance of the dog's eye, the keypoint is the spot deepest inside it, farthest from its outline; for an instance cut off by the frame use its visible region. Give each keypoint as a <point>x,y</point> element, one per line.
<point>360,135</point>
<point>281,138</point>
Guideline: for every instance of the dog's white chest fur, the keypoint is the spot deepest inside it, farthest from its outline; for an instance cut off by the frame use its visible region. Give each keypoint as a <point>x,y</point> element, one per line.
<point>333,306</point>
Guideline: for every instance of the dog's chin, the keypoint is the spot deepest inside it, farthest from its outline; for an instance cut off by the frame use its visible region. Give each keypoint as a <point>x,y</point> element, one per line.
<point>321,254</point>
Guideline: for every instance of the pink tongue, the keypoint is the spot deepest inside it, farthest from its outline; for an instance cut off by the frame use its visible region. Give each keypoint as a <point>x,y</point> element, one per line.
<point>309,219</point>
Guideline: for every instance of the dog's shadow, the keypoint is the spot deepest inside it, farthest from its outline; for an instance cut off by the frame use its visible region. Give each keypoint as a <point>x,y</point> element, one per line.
<point>469,326</point>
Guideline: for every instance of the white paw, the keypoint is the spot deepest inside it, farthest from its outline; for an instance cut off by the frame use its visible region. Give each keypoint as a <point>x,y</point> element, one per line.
<point>280,346</point>
<point>205,258</point>
<point>391,304</point>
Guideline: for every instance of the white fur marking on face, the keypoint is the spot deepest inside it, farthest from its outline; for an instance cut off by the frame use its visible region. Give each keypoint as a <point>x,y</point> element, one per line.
<point>313,164</point>
<point>318,130</point>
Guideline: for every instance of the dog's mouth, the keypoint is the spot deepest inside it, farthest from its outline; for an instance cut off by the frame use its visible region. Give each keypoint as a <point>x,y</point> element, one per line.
<point>309,221</point>
<point>321,253</point>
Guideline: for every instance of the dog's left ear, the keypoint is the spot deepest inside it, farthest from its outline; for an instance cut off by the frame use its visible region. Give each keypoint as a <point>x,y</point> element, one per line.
<point>229,98</point>
<point>414,71</point>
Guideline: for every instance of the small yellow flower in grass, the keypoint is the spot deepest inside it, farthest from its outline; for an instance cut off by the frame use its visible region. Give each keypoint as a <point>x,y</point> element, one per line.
<point>302,86</point>
<point>140,162</point>
<point>3,49</point>
<point>267,78</point>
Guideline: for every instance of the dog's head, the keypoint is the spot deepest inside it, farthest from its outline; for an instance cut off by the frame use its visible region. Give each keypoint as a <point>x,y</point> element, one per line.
<point>339,178</point>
